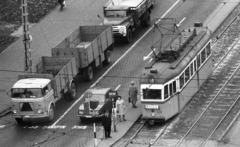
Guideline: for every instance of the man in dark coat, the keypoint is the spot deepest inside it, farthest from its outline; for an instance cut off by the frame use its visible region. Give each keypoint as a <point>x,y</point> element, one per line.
<point>106,123</point>
<point>133,91</point>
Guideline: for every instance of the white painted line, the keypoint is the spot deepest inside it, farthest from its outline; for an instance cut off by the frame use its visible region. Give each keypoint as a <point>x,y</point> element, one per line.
<point>2,126</point>
<point>112,66</point>
<point>117,87</point>
<point>181,21</point>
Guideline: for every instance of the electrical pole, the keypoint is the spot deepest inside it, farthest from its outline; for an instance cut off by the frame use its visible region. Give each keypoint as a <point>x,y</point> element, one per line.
<point>26,38</point>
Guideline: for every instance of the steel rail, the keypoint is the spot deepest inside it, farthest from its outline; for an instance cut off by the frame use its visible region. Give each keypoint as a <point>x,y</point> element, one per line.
<point>220,90</point>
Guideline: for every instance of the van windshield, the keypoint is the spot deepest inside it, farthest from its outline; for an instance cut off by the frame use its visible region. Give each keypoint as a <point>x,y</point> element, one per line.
<point>26,93</point>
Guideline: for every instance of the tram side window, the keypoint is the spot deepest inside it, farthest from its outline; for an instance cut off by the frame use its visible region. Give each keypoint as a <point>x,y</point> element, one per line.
<point>174,87</point>
<point>166,94</point>
<point>199,60</point>
<point>181,80</point>
<point>195,65</point>
<point>191,69</point>
<point>203,56</point>
<point>171,89</point>
<point>208,49</point>
<point>187,74</point>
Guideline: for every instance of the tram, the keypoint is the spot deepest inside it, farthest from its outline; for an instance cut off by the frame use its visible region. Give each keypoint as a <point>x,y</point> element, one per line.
<point>174,75</point>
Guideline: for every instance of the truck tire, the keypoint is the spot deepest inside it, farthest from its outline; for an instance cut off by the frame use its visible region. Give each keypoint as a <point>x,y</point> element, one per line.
<point>19,120</point>
<point>72,90</point>
<point>88,73</point>
<point>128,38</point>
<point>146,21</point>
<point>107,56</point>
<point>51,113</point>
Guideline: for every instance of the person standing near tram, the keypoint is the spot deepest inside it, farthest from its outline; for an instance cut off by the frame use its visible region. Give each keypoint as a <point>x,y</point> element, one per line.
<point>120,104</point>
<point>133,91</point>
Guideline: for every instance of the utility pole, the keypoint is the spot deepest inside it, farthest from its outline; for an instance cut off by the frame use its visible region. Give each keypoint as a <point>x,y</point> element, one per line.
<point>27,38</point>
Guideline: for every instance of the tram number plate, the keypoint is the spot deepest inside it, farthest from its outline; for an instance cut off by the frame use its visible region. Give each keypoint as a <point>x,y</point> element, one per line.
<point>151,107</point>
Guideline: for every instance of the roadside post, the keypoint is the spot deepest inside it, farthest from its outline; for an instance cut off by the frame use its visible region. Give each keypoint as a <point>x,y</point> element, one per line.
<point>93,106</point>
<point>113,95</point>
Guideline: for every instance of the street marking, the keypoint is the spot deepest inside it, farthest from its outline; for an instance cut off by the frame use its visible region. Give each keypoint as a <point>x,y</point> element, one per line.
<point>79,127</point>
<point>60,118</point>
<point>54,127</point>
<point>117,87</point>
<point>179,24</point>
<point>2,126</point>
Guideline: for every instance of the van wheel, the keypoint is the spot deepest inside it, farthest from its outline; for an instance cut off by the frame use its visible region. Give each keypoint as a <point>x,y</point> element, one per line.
<point>88,73</point>
<point>51,114</point>
<point>107,55</point>
<point>19,120</point>
<point>128,38</point>
<point>72,90</point>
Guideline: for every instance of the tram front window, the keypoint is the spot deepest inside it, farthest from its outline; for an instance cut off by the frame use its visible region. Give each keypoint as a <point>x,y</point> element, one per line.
<point>152,94</point>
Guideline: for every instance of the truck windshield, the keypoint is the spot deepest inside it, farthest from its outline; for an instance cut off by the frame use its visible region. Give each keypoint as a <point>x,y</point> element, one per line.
<point>116,13</point>
<point>26,93</point>
<point>152,94</point>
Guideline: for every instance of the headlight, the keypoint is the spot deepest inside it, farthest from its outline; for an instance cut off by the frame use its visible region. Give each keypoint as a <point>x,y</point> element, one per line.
<point>14,111</point>
<point>96,112</point>
<point>122,30</point>
<point>153,114</point>
<point>80,112</point>
<point>39,111</point>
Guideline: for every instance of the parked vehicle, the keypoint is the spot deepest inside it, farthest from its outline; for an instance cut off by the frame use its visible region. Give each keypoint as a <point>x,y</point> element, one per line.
<point>35,95</point>
<point>124,16</point>
<point>96,101</point>
<point>176,73</point>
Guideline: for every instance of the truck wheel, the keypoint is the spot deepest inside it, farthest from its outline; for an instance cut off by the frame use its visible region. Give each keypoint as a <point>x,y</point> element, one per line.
<point>19,120</point>
<point>88,73</point>
<point>128,38</point>
<point>107,55</point>
<point>72,90</point>
<point>147,21</point>
<point>51,113</point>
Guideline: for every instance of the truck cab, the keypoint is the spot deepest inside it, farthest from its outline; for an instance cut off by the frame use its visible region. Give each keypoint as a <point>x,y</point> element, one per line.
<point>96,101</point>
<point>120,17</point>
<point>32,98</point>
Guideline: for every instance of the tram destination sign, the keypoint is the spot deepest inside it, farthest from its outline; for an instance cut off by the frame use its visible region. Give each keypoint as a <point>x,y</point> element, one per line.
<point>151,107</point>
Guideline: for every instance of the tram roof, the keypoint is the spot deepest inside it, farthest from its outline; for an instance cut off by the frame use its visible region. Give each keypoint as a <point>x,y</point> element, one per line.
<point>165,71</point>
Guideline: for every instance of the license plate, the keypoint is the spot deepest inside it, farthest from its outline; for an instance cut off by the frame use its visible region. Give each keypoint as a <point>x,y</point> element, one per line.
<point>151,107</point>
<point>27,116</point>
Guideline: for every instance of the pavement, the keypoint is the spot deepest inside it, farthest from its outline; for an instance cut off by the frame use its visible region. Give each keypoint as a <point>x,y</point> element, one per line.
<point>132,114</point>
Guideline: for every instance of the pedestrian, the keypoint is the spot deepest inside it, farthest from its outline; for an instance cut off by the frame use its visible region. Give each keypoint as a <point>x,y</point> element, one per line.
<point>120,104</point>
<point>106,123</point>
<point>62,4</point>
<point>133,91</point>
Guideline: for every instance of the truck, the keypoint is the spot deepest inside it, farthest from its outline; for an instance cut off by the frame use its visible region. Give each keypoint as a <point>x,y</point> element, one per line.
<point>96,102</point>
<point>125,15</point>
<point>35,94</point>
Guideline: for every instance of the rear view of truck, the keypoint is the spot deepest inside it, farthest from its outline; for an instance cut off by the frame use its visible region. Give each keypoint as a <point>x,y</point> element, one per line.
<point>124,16</point>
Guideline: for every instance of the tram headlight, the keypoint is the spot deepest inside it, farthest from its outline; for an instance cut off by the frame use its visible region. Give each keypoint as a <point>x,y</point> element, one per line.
<point>153,114</point>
